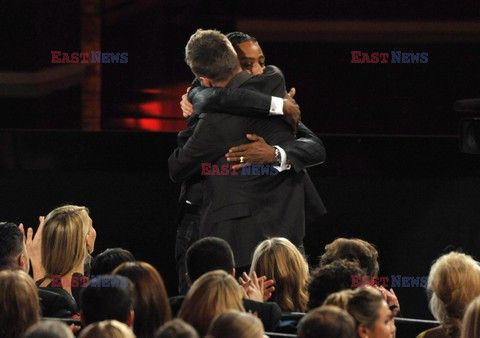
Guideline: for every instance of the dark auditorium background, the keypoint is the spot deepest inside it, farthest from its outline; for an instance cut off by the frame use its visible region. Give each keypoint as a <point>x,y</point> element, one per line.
<point>100,135</point>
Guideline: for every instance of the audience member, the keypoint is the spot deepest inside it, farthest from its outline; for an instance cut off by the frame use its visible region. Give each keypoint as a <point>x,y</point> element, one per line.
<point>278,259</point>
<point>107,261</point>
<point>330,278</point>
<point>471,320</point>
<point>213,293</point>
<point>339,298</point>
<point>353,249</point>
<point>107,329</point>
<point>151,305</point>
<point>372,316</point>
<point>453,282</point>
<point>211,253</point>
<point>49,329</point>
<point>327,322</point>
<point>19,305</point>
<point>63,243</point>
<point>176,328</point>
<point>235,324</point>
<point>107,297</point>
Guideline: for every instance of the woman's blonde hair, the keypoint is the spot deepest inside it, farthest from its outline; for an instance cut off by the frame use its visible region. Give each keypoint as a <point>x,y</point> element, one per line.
<point>107,329</point>
<point>364,305</point>
<point>213,293</point>
<point>278,259</point>
<point>64,244</point>
<point>471,320</point>
<point>151,305</point>
<point>235,324</point>
<point>454,280</point>
<point>340,298</point>
<point>19,305</point>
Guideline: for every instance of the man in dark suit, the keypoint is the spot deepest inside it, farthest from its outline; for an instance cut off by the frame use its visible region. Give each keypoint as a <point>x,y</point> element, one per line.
<point>241,209</point>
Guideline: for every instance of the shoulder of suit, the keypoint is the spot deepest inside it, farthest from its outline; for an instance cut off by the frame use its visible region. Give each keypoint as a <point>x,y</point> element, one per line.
<point>271,69</point>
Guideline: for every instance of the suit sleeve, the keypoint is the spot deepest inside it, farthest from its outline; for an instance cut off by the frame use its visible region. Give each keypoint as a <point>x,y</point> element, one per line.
<point>306,151</point>
<point>202,147</point>
<point>235,101</point>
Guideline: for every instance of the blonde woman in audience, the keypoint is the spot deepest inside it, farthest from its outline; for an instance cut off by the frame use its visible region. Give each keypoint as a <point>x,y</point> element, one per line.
<point>151,305</point>
<point>210,295</point>
<point>63,243</point>
<point>278,259</point>
<point>471,320</point>
<point>107,329</point>
<point>453,282</point>
<point>19,305</point>
<point>373,318</point>
<point>235,324</point>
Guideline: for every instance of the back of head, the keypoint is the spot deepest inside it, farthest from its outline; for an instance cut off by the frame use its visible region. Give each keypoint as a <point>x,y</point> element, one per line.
<point>209,54</point>
<point>208,254</point>
<point>213,293</point>
<point>11,245</point>
<point>63,239</point>
<point>107,261</point>
<point>330,278</point>
<point>19,306</point>
<point>340,298</point>
<point>327,321</point>
<point>278,259</point>
<point>235,324</point>
<point>364,306</point>
<point>238,37</point>
<point>106,297</point>
<point>49,329</point>
<point>453,282</point>
<point>176,328</point>
<point>353,249</point>
<point>471,320</point>
<point>107,329</point>
<point>152,307</point>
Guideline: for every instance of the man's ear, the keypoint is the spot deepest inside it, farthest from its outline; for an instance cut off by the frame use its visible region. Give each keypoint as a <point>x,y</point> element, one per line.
<point>187,278</point>
<point>22,261</point>
<point>130,319</point>
<point>205,81</point>
<point>233,272</point>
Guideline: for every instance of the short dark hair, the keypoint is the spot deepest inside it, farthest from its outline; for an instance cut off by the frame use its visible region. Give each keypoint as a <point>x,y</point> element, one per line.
<point>327,321</point>
<point>238,37</point>
<point>105,262</point>
<point>99,301</point>
<point>209,53</point>
<point>208,254</point>
<point>11,244</point>
<point>327,279</point>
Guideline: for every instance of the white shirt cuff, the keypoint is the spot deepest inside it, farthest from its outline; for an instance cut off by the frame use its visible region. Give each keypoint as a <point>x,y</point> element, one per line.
<point>276,106</point>
<point>284,165</point>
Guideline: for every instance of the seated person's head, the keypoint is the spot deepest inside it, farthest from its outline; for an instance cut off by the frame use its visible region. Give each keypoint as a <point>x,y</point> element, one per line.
<point>107,297</point>
<point>330,278</point>
<point>176,328</point>
<point>13,253</point>
<point>213,293</point>
<point>19,306</point>
<point>471,320</point>
<point>107,261</point>
<point>326,322</point>
<point>67,240</point>
<point>339,299</point>
<point>49,329</point>
<point>278,259</point>
<point>208,254</point>
<point>152,307</point>
<point>235,324</point>
<point>372,316</point>
<point>107,329</point>
<point>453,282</point>
<point>353,249</point>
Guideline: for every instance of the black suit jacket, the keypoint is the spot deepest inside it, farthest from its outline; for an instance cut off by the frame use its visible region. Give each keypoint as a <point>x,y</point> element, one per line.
<point>244,209</point>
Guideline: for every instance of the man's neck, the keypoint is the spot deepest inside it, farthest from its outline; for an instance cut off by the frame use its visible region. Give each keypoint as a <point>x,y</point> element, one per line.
<point>224,83</point>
